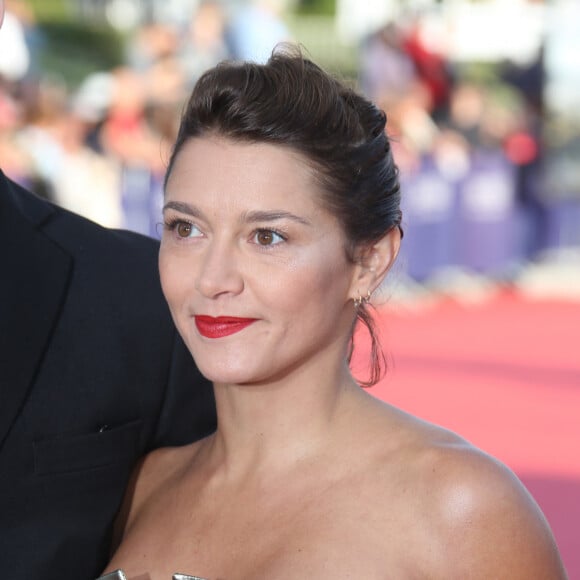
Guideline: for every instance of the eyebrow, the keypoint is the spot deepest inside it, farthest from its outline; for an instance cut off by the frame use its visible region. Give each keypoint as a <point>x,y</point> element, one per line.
<point>268,216</point>
<point>250,217</point>
<point>181,207</point>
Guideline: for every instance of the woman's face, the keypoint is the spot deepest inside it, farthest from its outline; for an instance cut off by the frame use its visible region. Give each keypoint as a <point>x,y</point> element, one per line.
<point>254,269</point>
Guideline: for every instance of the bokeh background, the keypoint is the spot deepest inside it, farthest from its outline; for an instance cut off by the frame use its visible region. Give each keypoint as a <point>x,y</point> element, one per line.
<point>481,315</point>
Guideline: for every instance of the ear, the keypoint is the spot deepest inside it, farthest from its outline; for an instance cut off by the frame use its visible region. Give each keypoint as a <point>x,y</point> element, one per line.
<point>373,263</point>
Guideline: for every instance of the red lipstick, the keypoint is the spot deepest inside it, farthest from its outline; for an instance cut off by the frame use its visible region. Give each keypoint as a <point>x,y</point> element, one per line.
<point>221,326</point>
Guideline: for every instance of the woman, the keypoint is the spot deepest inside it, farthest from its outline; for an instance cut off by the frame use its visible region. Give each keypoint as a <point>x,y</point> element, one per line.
<point>281,220</point>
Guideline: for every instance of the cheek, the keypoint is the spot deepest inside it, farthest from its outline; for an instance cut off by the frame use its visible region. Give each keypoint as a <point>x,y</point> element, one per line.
<point>314,287</point>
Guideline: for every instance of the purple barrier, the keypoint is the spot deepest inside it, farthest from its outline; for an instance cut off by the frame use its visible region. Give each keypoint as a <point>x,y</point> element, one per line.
<point>563,224</point>
<point>142,199</point>
<point>489,223</point>
<point>428,203</point>
<point>156,207</point>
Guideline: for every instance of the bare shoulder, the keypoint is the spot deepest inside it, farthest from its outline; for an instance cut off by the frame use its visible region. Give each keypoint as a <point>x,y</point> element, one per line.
<point>475,518</point>
<point>159,467</point>
<point>153,473</point>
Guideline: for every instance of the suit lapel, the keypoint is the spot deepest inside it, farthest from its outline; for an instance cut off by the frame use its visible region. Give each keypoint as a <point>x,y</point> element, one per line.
<point>34,279</point>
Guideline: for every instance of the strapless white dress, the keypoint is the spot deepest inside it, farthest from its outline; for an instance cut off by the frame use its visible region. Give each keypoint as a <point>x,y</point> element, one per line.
<point>119,575</point>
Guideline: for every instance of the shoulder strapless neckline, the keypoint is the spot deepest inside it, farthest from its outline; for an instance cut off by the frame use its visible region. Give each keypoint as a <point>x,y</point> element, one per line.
<point>120,575</point>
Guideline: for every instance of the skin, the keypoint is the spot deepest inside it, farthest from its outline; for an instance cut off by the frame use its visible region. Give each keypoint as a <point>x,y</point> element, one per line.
<point>307,474</point>
<point>1,12</point>
<point>231,271</point>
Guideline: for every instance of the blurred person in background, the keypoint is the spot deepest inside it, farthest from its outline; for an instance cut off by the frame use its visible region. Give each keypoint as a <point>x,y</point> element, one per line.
<point>151,43</point>
<point>58,134</point>
<point>15,159</point>
<point>125,133</point>
<point>20,50</point>
<point>92,376</point>
<point>15,57</point>
<point>15,66</point>
<point>204,42</point>
<point>39,135</point>
<point>431,63</point>
<point>386,70</point>
<point>525,146</point>
<point>255,28</point>
<point>140,124</point>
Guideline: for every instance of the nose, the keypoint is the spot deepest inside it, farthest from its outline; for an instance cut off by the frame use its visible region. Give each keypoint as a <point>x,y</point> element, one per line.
<point>219,273</point>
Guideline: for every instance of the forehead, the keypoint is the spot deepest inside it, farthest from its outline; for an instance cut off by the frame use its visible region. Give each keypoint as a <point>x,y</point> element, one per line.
<point>244,171</point>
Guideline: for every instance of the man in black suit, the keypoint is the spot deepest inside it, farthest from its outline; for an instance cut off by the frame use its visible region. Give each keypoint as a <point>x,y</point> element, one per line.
<point>92,376</point>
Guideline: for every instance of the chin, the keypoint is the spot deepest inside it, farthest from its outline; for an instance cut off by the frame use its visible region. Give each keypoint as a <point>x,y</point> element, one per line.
<point>227,374</point>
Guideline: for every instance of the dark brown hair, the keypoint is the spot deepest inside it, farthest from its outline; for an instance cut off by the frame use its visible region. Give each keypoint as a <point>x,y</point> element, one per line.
<point>291,102</point>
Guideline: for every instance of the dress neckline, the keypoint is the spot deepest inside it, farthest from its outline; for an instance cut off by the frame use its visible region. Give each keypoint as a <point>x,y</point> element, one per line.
<point>120,575</point>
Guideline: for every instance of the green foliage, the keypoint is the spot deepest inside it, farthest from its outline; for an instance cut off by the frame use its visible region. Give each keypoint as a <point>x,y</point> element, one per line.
<point>50,10</point>
<point>317,35</point>
<point>318,7</point>
<point>72,50</point>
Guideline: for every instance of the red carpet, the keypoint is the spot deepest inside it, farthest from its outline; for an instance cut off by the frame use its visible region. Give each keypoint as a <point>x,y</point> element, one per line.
<point>504,374</point>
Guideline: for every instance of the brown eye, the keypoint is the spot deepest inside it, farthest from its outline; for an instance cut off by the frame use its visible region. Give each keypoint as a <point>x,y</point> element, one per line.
<point>265,237</point>
<point>183,229</point>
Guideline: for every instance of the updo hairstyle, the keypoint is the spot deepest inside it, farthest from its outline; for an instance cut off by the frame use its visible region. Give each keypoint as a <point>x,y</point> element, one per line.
<point>291,102</point>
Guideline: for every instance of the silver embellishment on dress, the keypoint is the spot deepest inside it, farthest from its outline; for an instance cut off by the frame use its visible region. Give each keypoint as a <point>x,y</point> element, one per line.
<point>119,575</point>
<point>116,575</point>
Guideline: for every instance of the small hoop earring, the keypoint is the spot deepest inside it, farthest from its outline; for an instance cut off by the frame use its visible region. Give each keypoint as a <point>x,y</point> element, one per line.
<point>360,300</point>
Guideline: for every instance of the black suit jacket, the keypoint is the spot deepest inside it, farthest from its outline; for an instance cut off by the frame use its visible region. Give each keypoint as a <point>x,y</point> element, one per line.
<point>92,376</point>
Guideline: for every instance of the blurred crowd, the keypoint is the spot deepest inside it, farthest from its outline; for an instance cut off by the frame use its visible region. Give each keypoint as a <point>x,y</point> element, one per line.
<point>437,110</point>
<point>101,149</point>
<point>470,149</point>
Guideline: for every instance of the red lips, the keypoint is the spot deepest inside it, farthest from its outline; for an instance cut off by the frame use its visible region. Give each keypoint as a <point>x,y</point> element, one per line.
<point>221,326</point>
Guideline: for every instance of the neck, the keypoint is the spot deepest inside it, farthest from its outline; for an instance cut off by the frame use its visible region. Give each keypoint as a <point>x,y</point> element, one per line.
<point>277,425</point>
